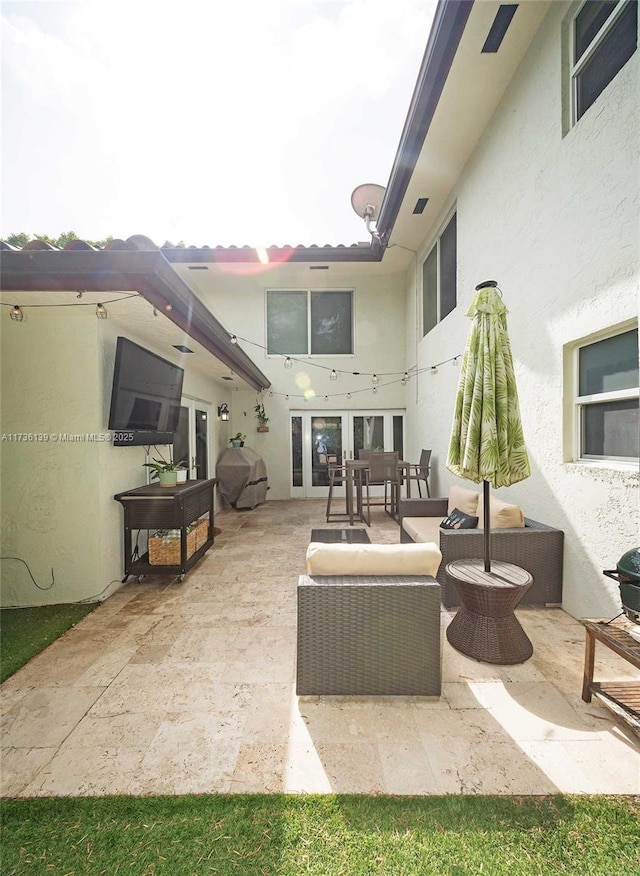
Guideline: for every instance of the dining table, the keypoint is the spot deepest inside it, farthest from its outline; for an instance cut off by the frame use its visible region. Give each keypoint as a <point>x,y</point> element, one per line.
<point>355,477</point>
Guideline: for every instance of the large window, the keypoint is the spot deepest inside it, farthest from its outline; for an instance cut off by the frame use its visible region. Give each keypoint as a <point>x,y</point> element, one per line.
<point>604,35</point>
<point>439,294</point>
<point>607,421</point>
<point>303,322</point>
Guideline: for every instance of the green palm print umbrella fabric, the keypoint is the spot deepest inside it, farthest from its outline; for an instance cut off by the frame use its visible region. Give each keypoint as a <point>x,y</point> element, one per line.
<point>487,443</point>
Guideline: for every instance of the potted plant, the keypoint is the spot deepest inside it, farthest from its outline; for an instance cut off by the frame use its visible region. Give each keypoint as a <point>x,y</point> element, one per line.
<point>237,440</point>
<point>261,417</point>
<point>165,472</point>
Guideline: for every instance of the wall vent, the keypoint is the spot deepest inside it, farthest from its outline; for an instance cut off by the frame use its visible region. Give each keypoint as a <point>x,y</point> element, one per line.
<point>500,25</point>
<point>421,203</point>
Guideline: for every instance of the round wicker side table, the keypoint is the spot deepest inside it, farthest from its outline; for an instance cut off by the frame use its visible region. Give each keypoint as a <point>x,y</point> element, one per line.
<point>485,626</point>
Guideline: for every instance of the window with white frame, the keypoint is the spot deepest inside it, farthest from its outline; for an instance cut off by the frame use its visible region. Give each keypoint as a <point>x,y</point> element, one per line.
<point>606,404</point>
<point>603,36</point>
<point>307,322</point>
<point>439,290</point>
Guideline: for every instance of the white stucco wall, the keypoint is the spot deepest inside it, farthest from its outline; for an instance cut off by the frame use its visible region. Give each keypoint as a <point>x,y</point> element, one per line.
<point>49,487</point>
<point>57,500</point>
<point>555,220</point>
<point>238,301</point>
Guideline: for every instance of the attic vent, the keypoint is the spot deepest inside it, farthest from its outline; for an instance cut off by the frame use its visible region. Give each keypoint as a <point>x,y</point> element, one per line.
<point>421,203</point>
<point>182,349</point>
<point>226,378</point>
<point>500,25</point>
<point>318,267</point>
<point>198,268</point>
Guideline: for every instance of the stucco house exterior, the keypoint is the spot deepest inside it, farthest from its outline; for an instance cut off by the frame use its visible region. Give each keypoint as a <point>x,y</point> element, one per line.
<point>517,162</point>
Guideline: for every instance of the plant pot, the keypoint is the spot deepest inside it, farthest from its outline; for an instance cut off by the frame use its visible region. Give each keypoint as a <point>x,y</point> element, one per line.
<point>237,443</point>
<point>168,478</point>
<point>262,429</point>
<point>181,476</point>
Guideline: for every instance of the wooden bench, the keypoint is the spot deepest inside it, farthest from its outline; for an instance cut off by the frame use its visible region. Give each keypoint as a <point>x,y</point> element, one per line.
<point>623,698</point>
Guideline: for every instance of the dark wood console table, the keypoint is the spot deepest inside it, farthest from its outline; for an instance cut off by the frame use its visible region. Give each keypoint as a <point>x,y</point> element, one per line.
<point>154,507</point>
<point>623,698</point>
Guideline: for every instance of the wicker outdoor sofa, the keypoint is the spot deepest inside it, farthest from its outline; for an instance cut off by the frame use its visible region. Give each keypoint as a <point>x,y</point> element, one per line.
<point>369,621</point>
<point>534,546</point>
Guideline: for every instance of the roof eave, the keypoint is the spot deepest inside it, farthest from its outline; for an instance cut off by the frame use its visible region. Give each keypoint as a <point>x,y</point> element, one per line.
<point>446,32</point>
<point>356,252</point>
<point>147,273</point>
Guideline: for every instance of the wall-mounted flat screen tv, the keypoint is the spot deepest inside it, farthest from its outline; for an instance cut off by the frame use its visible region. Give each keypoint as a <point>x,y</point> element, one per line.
<point>145,396</point>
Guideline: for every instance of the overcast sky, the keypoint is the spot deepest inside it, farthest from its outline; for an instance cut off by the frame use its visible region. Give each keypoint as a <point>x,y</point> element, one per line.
<point>215,123</point>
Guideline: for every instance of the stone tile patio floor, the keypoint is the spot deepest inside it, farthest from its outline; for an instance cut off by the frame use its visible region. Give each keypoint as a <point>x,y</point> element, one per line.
<point>169,688</point>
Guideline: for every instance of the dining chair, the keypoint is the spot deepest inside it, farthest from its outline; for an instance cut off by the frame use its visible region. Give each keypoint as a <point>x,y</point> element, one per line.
<point>383,471</point>
<point>420,471</point>
<point>337,478</point>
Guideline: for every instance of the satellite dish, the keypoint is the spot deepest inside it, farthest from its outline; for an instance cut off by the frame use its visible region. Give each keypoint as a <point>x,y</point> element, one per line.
<point>366,200</point>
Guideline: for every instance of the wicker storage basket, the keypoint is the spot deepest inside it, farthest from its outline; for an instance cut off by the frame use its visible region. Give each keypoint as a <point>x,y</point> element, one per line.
<point>202,531</point>
<point>164,547</point>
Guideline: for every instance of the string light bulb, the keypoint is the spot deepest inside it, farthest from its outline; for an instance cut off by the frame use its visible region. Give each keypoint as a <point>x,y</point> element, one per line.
<point>16,313</point>
<point>434,369</point>
<point>233,339</point>
<point>101,311</point>
<point>375,379</point>
<point>405,379</point>
<point>349,395</point>
<point>333,375</point>
<point>374,390</point>
<point>288,362</point>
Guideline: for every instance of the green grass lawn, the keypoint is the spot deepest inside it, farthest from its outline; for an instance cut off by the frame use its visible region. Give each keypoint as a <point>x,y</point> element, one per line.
<point>287,835</point>
<point>24,632</point>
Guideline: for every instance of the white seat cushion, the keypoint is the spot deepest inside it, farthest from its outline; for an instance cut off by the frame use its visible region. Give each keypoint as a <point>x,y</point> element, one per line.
<point>423,529</point>
<point>373,559</point>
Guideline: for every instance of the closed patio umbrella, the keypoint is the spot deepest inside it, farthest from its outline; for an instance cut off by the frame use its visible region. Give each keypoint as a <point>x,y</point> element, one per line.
<point>487,443</point>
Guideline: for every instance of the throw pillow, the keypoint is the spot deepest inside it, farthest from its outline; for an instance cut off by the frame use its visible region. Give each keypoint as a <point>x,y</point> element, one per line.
<point>458,520</point>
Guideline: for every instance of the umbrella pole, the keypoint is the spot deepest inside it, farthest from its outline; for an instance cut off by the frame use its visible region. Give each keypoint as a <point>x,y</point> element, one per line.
<point>487,529</point>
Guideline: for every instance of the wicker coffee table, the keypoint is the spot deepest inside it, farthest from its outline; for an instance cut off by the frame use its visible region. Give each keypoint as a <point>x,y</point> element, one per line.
<point>485,626</point>
<point>341,536</point>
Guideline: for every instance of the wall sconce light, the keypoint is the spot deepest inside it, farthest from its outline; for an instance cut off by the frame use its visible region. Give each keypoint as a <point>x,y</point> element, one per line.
<point>223,412</point>
<point>16,313</point>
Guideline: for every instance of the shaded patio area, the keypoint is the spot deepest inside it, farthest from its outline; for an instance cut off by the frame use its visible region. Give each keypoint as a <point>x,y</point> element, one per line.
<point>170,688</point>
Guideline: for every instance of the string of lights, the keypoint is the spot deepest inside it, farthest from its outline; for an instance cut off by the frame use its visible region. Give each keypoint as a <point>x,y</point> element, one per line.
<point>403,377</point>
<point>18,310</point>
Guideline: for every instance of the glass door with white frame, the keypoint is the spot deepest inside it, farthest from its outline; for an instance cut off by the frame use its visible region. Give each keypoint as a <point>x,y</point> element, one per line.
<point>320,437</point>
<point>192,441</point>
